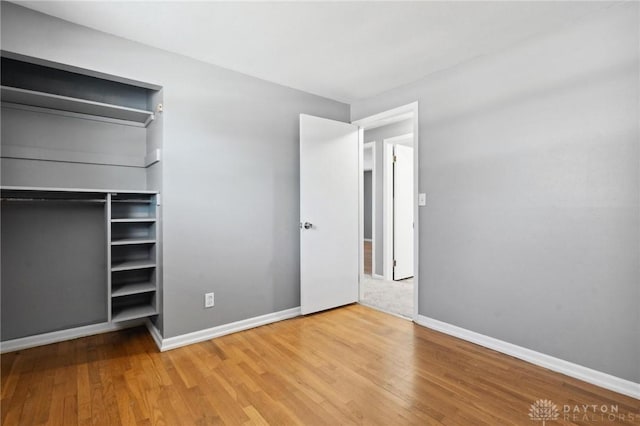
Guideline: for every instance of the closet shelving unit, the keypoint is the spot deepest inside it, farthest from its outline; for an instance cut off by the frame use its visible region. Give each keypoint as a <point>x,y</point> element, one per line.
<point>132,255</point>
<point>132,260</point>
<point>68,133</point>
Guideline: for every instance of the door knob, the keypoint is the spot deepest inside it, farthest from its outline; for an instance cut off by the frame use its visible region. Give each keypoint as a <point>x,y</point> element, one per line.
<point>305,225</point>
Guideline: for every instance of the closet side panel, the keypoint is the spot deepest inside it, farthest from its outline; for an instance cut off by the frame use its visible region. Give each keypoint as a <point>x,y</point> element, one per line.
<point>53,267</point>
<point>155,132</point>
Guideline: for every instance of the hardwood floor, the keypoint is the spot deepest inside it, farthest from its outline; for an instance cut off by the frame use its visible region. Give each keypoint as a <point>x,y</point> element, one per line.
<point>352,365</point>
<point>367,257</point>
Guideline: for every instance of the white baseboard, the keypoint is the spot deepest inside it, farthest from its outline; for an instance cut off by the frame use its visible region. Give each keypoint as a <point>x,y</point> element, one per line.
<point>377,277</point>
<point>586,374</point>
<point>62,335</point>
<point>368,240</point>
<point>155,333</point>
<point>221,330</point>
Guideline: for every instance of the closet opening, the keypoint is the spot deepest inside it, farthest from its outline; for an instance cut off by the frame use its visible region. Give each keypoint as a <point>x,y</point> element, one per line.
<point>80,199</point>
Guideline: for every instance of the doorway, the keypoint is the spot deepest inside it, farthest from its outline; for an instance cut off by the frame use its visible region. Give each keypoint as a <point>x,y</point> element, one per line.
<point>388,193</point>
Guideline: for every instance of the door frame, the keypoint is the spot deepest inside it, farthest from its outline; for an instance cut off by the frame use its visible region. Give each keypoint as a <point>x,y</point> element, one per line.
<point>377,120</point>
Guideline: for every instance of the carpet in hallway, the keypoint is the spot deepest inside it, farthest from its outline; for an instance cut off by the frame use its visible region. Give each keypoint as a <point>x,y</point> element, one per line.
<point>395,297</point>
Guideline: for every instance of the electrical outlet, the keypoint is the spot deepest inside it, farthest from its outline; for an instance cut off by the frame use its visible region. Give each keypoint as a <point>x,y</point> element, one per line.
<point>209,300</point>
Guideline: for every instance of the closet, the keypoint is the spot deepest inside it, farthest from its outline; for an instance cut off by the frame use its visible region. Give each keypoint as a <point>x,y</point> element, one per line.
<point>81,182</point>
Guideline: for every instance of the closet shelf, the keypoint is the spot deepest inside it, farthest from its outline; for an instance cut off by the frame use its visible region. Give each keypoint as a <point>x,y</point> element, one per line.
<point>127,265</point>
<point>134,219</point>
<point>136,288</point>
<point>134,201</point>
<point>132,312</point>
<point>131,241</point>
<point>47,190</point>
<point>63,104</point>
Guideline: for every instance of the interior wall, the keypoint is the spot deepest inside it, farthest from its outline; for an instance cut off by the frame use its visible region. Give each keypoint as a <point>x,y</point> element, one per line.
<point>378,135</point>
<point>73,294</point>
<point>530,161</point>
<point>230,170</point>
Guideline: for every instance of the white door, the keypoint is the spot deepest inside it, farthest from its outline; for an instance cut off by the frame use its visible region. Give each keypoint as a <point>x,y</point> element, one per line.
<point>403,212</point>
<point>329,221</point>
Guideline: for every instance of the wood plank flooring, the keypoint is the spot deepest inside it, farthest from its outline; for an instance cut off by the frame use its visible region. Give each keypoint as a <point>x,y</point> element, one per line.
<point>352,365</point>
<point>368,257</point>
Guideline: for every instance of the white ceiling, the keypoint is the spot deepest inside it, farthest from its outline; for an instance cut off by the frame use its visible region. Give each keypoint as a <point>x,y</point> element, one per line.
<point>341,50</point>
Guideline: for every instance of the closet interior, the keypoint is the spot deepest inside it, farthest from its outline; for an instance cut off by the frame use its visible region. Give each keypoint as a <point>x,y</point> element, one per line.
<point>81,184</point>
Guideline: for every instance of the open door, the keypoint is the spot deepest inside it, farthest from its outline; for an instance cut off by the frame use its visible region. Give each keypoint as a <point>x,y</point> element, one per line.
<point>329,221</point>
<point>402,212</point>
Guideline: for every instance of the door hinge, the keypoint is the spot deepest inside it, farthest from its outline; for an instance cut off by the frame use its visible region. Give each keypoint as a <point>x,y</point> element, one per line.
<point>395,158</point>
<point>395,263</point>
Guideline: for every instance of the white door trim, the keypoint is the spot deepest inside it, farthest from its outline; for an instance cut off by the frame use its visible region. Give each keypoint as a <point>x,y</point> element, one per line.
<point>398,139</point>
<point>406,111</point>
<point>385,117</point>
<point>387,209</point>
<point>372,147</point>
<point>360,211</point>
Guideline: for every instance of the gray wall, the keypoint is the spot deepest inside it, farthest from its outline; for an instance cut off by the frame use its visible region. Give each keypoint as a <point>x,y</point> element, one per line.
<point>367,186</point>
<point>378,135</point>
<point>230,170</point>
<point>529,158</point>
<point>67,287</point>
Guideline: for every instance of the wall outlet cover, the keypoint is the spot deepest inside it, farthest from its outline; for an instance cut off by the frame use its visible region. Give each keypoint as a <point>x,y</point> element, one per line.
<point>209,300</point>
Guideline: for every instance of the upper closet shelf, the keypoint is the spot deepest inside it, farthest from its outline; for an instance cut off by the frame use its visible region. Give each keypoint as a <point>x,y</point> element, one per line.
<point>63,105</point>
<point>70,194</point>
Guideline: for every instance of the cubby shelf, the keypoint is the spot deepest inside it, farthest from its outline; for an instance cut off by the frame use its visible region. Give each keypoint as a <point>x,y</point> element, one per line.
<point>135,288</point>
<point>129,265</point>
<point>132,312</point>
<point>58,104</point>
<point>131,241</point>
<point>132,201</point>
<point>134,219</point>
